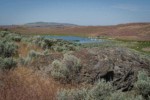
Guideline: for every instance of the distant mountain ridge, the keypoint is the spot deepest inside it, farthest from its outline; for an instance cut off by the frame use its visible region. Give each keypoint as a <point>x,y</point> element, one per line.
<point>48,24</point>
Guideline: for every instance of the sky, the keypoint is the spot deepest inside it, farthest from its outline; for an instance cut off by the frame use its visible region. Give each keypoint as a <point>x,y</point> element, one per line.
<point>80,12</point>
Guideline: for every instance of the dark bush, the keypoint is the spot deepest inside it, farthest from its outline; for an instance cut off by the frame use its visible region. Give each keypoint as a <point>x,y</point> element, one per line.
<point>17,38</point>
<point>7,63</point>
<point>4,33</point>
<point>7,49</point>
<point>42,42</point>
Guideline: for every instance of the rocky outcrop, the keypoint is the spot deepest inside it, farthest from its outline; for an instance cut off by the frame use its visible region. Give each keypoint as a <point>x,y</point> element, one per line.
<point>117,65</point>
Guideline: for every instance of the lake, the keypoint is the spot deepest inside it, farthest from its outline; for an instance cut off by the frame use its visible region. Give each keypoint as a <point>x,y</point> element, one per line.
<point>77,39</point>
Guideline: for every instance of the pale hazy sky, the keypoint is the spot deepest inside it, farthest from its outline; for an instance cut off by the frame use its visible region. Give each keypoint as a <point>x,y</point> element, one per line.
<point>81,12</point>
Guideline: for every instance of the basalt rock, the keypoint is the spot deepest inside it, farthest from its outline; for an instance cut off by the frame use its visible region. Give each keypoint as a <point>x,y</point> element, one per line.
<point>117,65</point>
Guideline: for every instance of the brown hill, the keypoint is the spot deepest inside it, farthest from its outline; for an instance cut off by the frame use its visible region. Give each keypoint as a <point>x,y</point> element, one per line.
<point>130,31</point>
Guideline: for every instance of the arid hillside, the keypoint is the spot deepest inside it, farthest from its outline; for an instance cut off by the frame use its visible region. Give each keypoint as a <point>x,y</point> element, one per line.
<point>131,31</point>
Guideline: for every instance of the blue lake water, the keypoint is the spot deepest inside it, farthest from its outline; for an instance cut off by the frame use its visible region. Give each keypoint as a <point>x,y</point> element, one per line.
<point>77,39</point>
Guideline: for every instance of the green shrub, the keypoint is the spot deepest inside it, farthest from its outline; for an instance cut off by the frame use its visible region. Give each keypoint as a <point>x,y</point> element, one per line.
<point>59,71</point>
<point>66,69</point>
<point>118,95</point>
<point>8,37</point>
<point>33,54</point>
<point>143,84</point>
<point>57,45</point>
<point>27,39</point>
<point>7,49</point>
<point>58,48</point>
<point>71,47</point>
<point>100,91</point>
<point>63,47</point>
<point>17,38</point>
<point>12,37</point>
<point>42,42</point>
<point>4,33</point>
<point>48,43</point>
<point>7,63</point>
<point>46,52</point>
<point>73,94</point>
<point>72,63</point>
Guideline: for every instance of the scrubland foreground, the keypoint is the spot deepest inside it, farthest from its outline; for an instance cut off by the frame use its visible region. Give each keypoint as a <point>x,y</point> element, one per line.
<point>35,68</point>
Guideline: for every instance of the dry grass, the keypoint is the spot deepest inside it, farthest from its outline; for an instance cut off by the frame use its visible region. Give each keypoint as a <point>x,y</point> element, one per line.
<point>24,49</point>
<point>146,49</point>
<point>24,84</point>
